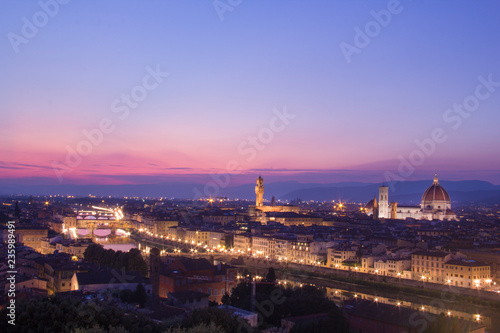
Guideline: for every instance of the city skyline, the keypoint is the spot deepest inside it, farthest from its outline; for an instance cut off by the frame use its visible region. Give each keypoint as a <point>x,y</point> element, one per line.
<point>324,92</point>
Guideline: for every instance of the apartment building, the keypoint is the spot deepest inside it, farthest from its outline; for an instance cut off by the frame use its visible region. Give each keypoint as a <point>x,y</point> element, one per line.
<point>242,243</point>
<point>467,273</point>
<point>161,227</point>
<point>335,257</point>
<point>429,266</point>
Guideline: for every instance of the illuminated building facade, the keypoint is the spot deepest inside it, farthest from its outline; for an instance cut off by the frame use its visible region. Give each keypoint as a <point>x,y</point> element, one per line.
<point>435,205</point>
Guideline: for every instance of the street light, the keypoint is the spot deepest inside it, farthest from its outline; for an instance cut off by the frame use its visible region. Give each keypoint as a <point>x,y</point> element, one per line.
<point>423,280</point>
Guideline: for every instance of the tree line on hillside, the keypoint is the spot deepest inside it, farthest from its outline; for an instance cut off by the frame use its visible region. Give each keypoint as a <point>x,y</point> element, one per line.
<point>58,314</point>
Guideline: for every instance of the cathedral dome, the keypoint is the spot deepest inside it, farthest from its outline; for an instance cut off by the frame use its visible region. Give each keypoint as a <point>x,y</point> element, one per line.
<point>370,204</point>
<point>434,193</point>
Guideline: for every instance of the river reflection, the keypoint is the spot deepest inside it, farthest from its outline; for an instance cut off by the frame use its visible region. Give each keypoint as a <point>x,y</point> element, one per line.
<point>339,295</point>
<point>123,243</point>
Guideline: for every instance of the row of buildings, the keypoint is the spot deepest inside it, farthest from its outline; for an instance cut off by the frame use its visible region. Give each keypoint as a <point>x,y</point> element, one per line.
<point>378,256</point>
<point>170,278</point>
<point>381,257</point>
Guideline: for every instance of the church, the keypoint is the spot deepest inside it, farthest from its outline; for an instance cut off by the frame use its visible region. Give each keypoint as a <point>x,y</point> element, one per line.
<point>435,205</point>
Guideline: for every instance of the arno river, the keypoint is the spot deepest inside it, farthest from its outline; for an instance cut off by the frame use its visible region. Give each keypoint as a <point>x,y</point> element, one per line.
<point>338,291</point>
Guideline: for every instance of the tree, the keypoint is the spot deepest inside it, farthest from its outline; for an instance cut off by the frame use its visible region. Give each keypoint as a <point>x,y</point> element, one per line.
<point>140,295</point>
<point>240,295</point>
<point>136,262</point>
<point>4,218</point>
<point>70,315</point>
<point>288,302</point>
<point>225,299</point>
<point>17,210</point>
<point>93,252</point>
<point>129,261</point>
<point>447,324</point>
<point>127,296</point>
<point>106,258</point>
<point>332,324</point>
<point>218,317</point>
<point>247,274</point>
<point>271,275</point>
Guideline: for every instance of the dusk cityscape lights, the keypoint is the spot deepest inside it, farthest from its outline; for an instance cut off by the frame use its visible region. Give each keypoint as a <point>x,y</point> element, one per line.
<point>238,166</point>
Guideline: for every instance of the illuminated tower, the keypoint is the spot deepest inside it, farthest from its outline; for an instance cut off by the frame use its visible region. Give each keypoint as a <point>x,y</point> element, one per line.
<point>259,192</point>
<point>154,269</point>
<point>375,207</point>
<point>383,202</point>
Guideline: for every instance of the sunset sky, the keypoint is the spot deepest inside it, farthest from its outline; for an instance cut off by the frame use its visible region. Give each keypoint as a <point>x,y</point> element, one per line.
<point>263,86</point>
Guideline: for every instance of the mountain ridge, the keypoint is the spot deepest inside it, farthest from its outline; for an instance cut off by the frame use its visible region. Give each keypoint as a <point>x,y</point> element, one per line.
<point>407,192</point>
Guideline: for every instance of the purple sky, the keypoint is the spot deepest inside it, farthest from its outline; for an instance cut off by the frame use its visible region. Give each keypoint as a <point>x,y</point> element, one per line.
<point>289,89</point>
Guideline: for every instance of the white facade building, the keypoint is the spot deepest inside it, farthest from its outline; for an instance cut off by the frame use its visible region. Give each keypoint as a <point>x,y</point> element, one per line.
<point>435,205</point>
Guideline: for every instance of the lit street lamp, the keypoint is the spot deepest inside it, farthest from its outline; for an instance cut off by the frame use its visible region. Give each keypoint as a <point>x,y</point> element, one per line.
<point>423,280</point>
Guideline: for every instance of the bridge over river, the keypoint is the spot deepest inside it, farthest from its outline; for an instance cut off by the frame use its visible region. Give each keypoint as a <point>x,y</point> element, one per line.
<point>102,228</point>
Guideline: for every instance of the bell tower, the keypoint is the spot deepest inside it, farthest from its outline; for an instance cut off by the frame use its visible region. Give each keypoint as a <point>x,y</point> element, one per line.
<point>383,202</point>
<point>259,192</point>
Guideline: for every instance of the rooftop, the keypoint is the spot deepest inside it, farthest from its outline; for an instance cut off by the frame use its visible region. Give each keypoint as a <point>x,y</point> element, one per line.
<point>468,263</point>
<point>109,277</point>
<point>439,254</point>
<point>188,294</point>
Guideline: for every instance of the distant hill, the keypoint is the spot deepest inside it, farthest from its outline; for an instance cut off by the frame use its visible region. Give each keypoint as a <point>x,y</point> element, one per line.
<point>182,190</point>
<point>408,192</point>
